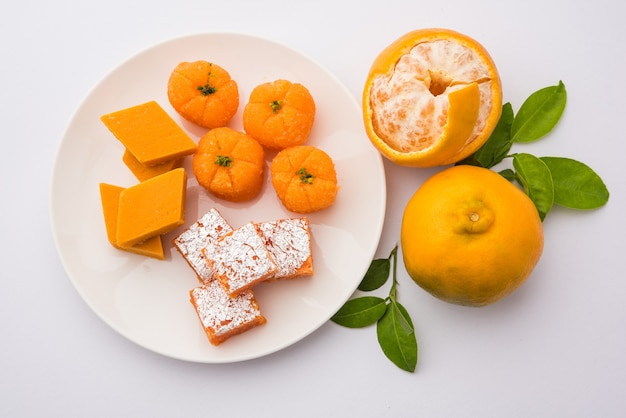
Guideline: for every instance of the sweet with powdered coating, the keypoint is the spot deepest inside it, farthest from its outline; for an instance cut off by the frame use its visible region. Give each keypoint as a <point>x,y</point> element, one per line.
<point>204,232</point>
<point>289,243</point>
<point>223,316</point>
<point>240,260</point>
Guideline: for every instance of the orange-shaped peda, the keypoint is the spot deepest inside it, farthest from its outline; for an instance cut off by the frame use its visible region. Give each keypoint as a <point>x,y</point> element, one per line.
<point>229,164</point>
<point>304,178</point>
<point>279,114</point>
<point>203,93</point>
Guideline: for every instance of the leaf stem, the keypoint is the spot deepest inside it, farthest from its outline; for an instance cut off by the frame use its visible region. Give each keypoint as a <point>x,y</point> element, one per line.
<point>394,327</point>
<point>393,257</point>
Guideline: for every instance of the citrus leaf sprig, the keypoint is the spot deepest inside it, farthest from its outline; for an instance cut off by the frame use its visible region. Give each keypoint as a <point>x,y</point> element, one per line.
<point>546,180</point>
<point>394,327</point>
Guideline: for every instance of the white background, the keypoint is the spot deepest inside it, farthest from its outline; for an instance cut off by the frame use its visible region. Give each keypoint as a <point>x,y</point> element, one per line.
<point>556,347</point>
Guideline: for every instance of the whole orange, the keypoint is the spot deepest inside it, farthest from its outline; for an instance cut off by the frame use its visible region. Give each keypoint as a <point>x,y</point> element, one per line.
<point>469,236</point>
<point>431,98</point>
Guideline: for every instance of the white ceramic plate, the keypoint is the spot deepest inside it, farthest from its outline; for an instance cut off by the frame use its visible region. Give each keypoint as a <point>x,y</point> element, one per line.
<point>147,300</point>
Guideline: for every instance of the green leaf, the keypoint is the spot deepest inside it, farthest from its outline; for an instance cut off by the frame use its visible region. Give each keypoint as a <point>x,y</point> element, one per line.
<point>360,312</point>
<point>539,114</point>
<point>534,175</point>
<point>499,143</point>
<point>376,275</point>
<point>396,337</point>
<point>508,174</point>
<point>576,185</point>
<point>394,329</point>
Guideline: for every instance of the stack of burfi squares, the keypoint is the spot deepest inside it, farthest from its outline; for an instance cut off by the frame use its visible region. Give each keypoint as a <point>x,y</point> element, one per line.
<point>229,262</point>
<point>154,147</point>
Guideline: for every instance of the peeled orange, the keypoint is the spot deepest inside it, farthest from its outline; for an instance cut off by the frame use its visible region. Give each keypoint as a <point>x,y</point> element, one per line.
<point>432,98</point>
<point>469,236</point>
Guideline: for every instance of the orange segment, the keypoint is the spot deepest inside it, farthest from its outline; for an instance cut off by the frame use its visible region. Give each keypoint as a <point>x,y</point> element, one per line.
<point>462,113</point>
<point>409,103</point>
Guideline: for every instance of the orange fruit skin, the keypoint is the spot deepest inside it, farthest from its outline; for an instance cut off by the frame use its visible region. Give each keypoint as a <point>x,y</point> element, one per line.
<point>385,63</point>
<point>212,109</point>
<point>302,196</point>
<point>242,179</point>
<point>279,114</point>
<point>469,236</point>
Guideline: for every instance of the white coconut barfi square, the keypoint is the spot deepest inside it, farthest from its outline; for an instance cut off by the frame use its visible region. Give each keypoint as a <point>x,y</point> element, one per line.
<point>205,231</point>
<point>240,260</point>
<point>289,243</point>
<point>223,316</point>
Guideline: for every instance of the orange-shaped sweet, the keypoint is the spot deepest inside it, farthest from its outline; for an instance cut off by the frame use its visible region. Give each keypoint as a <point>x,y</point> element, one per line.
<point>203,93</point>
<point>229,164</point>
<point>304,178</point>
<point>279,114</point>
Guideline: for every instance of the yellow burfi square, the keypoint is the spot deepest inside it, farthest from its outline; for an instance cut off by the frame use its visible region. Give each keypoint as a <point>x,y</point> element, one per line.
<point>152,207</point>
<point>143,172</point>
<point>149,133</point>
<point>110,196</point>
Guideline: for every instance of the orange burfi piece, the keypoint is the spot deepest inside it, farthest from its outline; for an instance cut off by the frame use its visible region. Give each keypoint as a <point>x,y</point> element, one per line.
<point>203,93</point>
<point>304,178</point>
<point>143,172</point>
<point>152,207</point>
<point>279,114</point>
<point>240,260</point>
<point>223,316</point>
<point>149,133</point>
<point>229,164</point>
<point>110,196</point>
<point>289,243</point>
